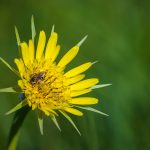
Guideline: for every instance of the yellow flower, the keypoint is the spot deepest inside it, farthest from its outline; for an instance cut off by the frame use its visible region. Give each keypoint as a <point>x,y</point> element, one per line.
<point>44,82</point>
<point>46,85</point>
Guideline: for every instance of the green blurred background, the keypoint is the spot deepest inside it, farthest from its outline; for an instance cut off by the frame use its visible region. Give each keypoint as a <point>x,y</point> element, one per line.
<point>119,37</point>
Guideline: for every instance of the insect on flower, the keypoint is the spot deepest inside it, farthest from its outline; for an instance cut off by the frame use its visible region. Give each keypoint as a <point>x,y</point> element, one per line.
<point>45,84</point>
<point>37,77</point>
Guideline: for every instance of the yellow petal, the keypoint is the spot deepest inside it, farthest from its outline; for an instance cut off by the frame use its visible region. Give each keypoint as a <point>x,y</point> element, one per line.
<point>74,111</point>
<point>25,52</point>
<point>84,84</point>
<point>21,84</point>
<point>17,62</point>
<point>78,70</point>
<point>41,45</point>
<point>77,93</point>
<point>67,58</point>
<point>20,66</point>
<point>34,106</point>
<point>75,79</point>
<point>55,53</point>
<point>51,45</point>
<point>84,101</point>
<point>31,50</point>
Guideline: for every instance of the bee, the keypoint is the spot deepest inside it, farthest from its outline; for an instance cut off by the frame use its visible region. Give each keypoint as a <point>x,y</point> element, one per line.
<point>37,77</point>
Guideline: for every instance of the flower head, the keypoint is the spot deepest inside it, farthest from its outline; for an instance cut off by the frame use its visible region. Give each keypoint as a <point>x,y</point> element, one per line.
<point>46,86</point>
<point>44,82</point>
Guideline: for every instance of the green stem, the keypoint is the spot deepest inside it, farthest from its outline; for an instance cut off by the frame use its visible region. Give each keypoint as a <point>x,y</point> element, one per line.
<point>15,127</point>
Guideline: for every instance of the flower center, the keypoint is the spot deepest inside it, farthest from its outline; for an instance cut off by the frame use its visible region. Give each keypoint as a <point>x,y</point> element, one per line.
<point>45,87</point>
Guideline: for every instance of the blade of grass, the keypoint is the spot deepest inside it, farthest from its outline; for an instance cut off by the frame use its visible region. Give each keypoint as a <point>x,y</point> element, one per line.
<point>17,36</point>
<point>99,86</point>
<point>18,40</point>
<point>17,107</point>
<point>9,90</point>
<point>92,109</point>
<point>7,65</point>
<point>55,122</point>
<point>70,120</point>
<point>33,31</point>
<point>40,121</point>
